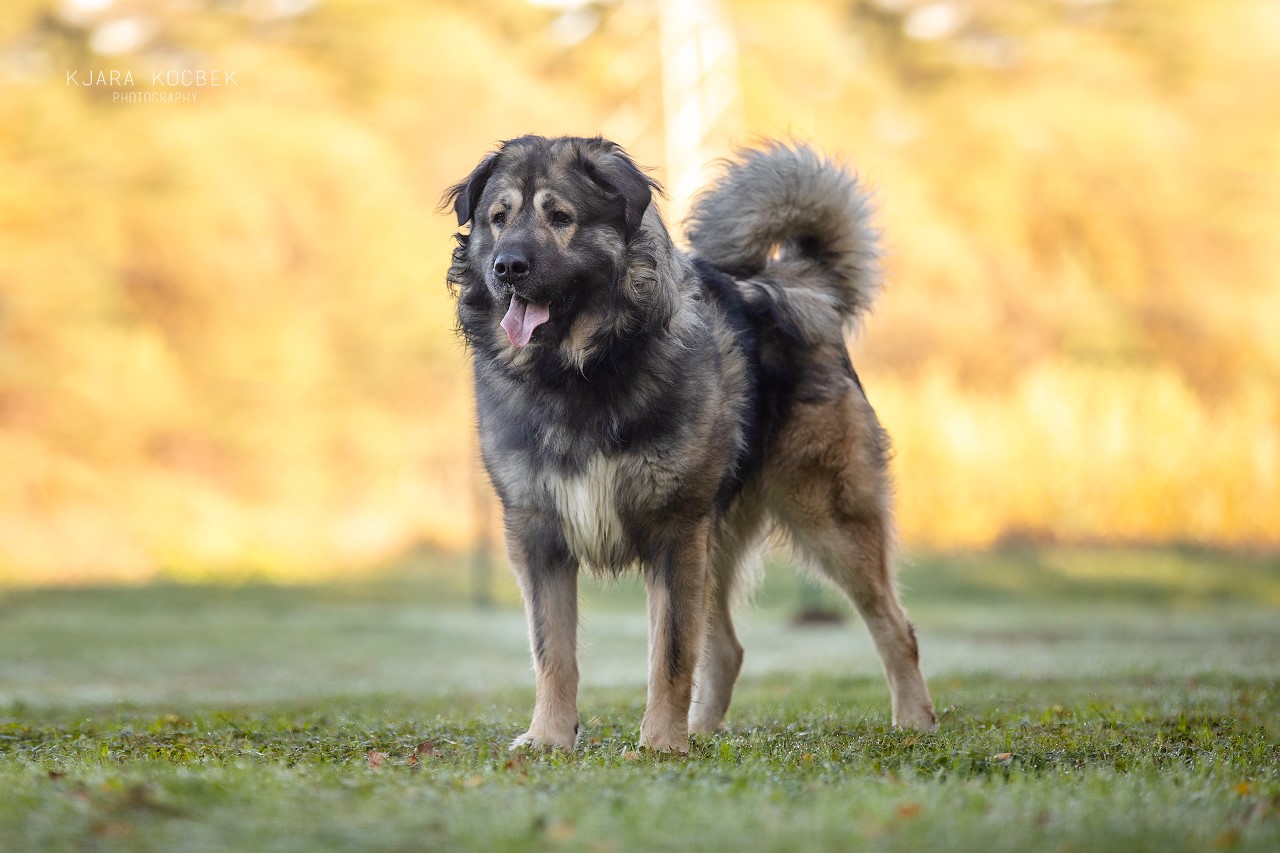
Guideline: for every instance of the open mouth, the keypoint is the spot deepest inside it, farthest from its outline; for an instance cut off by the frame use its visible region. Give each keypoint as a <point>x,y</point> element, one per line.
<point>522,318</point>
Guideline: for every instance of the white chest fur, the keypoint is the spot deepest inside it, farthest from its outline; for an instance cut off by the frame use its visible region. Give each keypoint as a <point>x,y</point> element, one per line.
<point>588,510</point>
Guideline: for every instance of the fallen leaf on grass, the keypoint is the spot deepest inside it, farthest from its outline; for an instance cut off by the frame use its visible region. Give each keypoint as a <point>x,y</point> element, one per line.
<point>906,811</point>
<point>1002,757</point>
<point>426,748</point>
<point>375,759</point>
<point>631,755</point>
<point>111,829</point>
<point>139,796</point>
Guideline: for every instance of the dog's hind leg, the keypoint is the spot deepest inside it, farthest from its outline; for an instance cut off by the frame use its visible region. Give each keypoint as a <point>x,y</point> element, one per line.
<point>828,483</point>
<point>676,580</point>
<point>721,659</point>
<point>548,577</point>
<point>856,558</point>
<point>718,667</point>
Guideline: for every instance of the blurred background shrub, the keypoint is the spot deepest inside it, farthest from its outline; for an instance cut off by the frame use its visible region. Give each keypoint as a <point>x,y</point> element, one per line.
<point>226,346</point>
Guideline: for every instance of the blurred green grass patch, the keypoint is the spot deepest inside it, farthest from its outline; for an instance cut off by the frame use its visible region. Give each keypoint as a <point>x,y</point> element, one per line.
<point>1077,709</point>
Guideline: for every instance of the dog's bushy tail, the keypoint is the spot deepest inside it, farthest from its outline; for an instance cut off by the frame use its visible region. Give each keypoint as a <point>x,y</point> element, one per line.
<point>778,201</point>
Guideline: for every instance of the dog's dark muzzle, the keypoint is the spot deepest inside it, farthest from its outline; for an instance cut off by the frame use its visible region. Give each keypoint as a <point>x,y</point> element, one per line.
<point>511,267</point>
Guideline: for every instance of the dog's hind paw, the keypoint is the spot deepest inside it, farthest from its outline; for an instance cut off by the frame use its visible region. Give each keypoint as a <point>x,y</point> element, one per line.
<point>706,725</point>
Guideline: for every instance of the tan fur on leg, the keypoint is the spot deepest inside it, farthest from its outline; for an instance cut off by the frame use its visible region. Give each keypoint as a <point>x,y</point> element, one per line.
<point>551,605</point>
<point>717,671</point>
<point>721,659</point>
<point>829,486</point>
<point>677,590</point>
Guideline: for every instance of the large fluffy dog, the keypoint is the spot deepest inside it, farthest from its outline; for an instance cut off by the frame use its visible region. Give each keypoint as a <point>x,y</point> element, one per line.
<point>638,407</point>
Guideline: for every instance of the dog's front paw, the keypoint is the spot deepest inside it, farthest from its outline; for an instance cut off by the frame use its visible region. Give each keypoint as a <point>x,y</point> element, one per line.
<point>921,719</point>
<point>538,738</point>
<point>664,738</point>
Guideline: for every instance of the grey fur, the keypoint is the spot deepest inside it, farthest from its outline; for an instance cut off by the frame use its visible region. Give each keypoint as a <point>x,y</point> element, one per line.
<point>790,200</point>
<point>665,415</point>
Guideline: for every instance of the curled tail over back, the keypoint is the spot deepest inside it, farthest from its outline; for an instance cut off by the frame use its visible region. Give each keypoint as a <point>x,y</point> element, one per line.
<point>778,202</point>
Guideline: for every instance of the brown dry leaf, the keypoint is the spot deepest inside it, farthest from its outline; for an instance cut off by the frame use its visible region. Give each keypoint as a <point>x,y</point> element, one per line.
<point>1002,757</point>
<point>906,811</point>
<point>111,829</point>
<point>427,748</point>
<point>1229,838</point>
<point>139,796</point>
<point>375,759</point>
<point>631,755</point>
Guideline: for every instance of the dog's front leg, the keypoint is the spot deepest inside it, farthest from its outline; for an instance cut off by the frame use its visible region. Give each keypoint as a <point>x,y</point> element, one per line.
<point>548,577</point>
<point>676,582</point>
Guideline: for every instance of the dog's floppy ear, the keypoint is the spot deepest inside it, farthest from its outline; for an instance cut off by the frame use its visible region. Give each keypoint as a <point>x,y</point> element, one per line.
<point>465,195</point>
<point>618,175</point>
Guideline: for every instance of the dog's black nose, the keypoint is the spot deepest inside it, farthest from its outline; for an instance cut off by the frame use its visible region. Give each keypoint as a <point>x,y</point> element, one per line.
<point>510,267</point>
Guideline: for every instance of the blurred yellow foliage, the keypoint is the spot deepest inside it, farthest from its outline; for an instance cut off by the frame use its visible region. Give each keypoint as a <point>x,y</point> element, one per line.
<point>225,340</point>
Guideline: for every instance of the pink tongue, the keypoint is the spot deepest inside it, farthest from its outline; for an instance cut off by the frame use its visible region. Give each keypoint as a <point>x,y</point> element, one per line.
<point>522,318</point>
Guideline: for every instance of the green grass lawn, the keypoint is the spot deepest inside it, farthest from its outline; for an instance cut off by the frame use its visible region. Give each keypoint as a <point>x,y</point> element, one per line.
<point>1088,699</point>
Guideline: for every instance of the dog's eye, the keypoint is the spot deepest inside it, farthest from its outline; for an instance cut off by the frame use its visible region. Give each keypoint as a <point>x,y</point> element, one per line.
<point>560,218</point>
<point>498,217</point>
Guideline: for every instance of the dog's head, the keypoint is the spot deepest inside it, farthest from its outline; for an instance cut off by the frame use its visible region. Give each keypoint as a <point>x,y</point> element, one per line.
<point>557,229</point>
